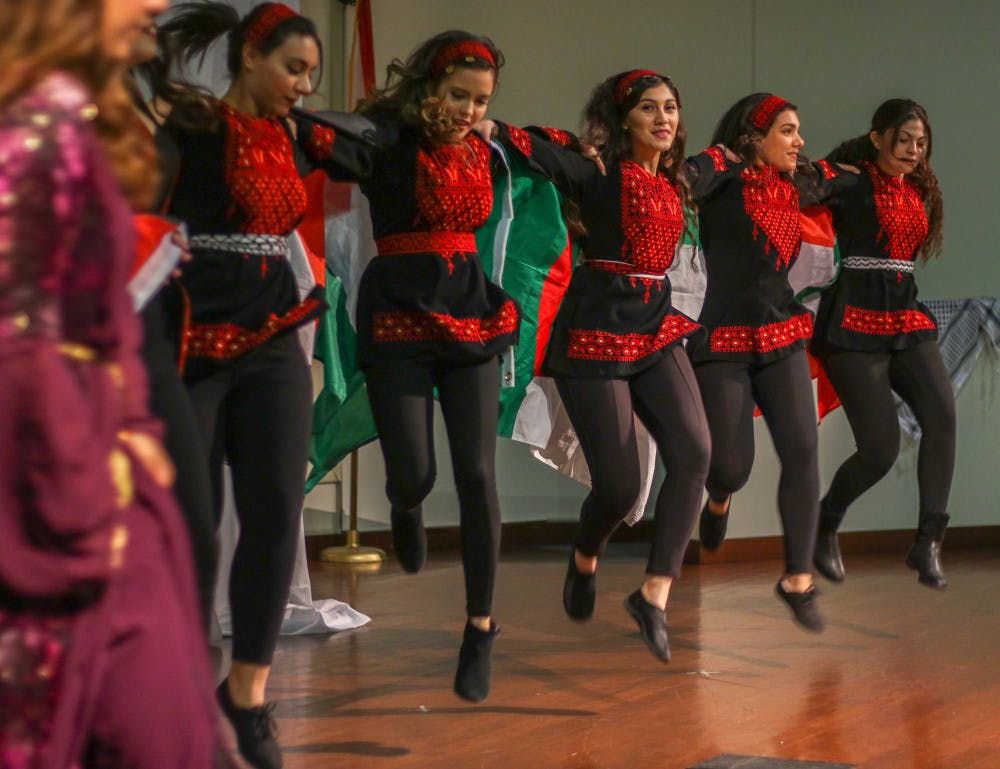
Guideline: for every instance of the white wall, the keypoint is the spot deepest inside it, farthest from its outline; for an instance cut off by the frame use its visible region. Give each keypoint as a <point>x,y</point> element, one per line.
<point>837,60</point>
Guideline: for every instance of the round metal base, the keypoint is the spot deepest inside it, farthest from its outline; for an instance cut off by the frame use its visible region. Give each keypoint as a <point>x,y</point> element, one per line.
<point>352,552</point>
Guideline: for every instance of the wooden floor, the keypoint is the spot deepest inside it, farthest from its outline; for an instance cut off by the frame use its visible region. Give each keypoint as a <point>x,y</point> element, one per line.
<point>903,678</point>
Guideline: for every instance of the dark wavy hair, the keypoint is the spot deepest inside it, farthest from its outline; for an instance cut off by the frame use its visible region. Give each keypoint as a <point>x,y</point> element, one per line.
<point>603,127</point>
<point>409,85</point>
<point>890,116</point>
<point>190,106</point>
<point>194,26</point>
<point>736,131</point>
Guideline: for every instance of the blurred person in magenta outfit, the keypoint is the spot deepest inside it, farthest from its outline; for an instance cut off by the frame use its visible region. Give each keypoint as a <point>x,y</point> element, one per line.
<point>101,659</point>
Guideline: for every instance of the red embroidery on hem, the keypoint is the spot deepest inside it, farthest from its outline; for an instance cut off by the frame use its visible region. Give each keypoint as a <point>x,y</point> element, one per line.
<point>520,139</point>
<point>885,323</point>
<point>901,214</point>
<point>718,158</point>
<point>414,326</point>
<point>627,348</point>
<point>228,340</point>
<point>767,338</point>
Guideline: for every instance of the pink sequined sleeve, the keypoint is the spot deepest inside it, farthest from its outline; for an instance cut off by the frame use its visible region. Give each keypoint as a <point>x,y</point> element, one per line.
<point>67,335</point>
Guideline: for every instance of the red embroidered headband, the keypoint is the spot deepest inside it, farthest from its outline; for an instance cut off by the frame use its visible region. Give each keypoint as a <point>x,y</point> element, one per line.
<point>266,22</point>
<point>764,113</point>
<point>465,50</point>
<point>624,85</point>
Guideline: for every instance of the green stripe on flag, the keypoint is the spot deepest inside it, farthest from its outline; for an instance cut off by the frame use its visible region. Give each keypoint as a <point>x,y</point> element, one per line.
<point>342,416</point>
<point>537,240</point>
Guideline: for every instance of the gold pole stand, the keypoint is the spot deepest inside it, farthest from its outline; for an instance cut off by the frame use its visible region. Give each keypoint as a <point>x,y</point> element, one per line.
<point>353,552</point>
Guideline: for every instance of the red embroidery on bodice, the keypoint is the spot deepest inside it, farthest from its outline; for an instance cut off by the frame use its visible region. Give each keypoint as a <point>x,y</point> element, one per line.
<point>454,189</point>
<point>718,158</point>
<point>261,174</point>
<point>652,219</point>
<point>521,139</point>
<point>772,202</point>
<point>901,214</point>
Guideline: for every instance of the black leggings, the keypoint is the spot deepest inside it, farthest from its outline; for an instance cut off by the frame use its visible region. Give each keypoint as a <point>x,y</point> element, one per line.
<point>783,391</point>
<point>169,400</point>
<point>864,382</point>
<point>257,413</point>
<point>666,398</point>
<point>402,400</point>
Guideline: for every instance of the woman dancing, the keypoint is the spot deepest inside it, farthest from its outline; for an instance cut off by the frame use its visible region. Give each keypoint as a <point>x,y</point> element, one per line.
<point>240,192</point>
<point>874,338</point>
<point>615,346</point>
<point>755,350</point>
<point>427,315</point>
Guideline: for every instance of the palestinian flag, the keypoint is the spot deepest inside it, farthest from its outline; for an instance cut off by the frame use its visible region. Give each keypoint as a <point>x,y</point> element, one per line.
<point>525,249</point>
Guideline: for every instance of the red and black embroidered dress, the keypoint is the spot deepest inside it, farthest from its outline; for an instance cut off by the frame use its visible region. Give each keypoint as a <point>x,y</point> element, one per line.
<point>616,318</point>
<point>881,226</point>
<point>241,194</point>
<point>751,235</point>
<point>425,296</point>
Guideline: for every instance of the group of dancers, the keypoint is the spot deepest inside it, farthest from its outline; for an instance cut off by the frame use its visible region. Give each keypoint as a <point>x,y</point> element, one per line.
<point>100,586</point>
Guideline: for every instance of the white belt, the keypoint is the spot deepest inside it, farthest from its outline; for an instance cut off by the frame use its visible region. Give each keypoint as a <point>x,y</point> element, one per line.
<point>871,263</point>
<point>243,243</point>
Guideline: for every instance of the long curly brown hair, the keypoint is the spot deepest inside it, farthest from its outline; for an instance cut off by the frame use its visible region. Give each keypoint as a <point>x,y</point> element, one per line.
<point>603,119</point>
<point>890,116</point>
<point>409,85</point>
<point>40,38</point>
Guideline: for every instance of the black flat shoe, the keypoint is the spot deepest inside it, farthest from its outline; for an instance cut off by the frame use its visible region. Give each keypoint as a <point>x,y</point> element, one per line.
<point>409,540</point>
<point>826,556</point>
<point>579,591</point>
<point>472,678</point>
<point>256,730</point>
<point>925,558</point>
<point>803,606</point>
<point>712,527</point>
<point>652,624</point>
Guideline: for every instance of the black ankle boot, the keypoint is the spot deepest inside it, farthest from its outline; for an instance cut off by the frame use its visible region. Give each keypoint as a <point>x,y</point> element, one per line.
<point>579,591</point>
<point>652,624</point>
<point>256,731</point>
<point>472,678</point>
<point>712,527</point>
<point>925,553</point>
<point>409,540</point>
<point>826,556</point>
<point>803,606</point>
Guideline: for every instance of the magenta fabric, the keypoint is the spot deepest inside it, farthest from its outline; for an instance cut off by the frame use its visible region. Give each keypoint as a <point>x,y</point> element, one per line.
<point>95,655</point>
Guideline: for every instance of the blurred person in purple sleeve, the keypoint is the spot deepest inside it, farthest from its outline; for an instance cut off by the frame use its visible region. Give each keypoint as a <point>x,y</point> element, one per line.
<point>101,658</point>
